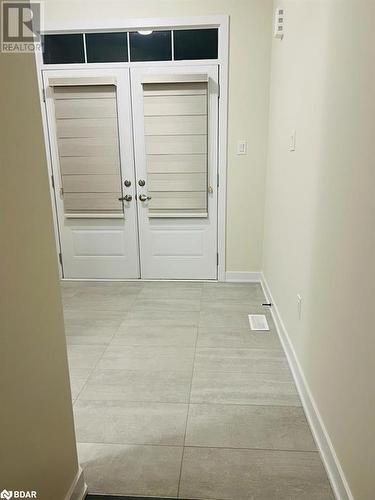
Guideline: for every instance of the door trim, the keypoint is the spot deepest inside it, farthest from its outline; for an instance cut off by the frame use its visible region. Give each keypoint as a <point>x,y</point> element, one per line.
<point>222,23</point>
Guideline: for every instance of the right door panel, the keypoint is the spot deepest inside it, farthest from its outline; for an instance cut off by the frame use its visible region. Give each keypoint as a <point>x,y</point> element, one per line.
<point>175,128</point>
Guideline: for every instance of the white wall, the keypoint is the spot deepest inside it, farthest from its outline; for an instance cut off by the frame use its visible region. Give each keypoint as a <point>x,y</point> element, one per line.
<point>250,27</point>
<point>37,441</point>
<point>319,224</point>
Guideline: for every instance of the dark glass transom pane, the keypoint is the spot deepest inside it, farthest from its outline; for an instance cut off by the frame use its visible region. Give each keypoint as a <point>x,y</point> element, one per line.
<point>196,44</point>
<point>63,49</point>
<point>106,47</point>
<point>157,46</point>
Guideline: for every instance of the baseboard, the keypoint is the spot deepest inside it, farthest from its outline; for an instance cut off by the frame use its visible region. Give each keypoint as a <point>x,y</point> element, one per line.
<point>331,462</point>
<point>78,488</point>
<point>243,277</point>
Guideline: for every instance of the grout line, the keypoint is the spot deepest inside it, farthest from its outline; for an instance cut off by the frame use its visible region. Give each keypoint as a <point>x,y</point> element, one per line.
<point>155,401</point>
<point>189,396</point>
<point>100,358</point>
<point>153,445</point>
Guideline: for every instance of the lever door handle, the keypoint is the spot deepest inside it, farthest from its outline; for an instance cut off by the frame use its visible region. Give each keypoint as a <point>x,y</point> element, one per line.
<point>127,197</point>
<point>143,197</point>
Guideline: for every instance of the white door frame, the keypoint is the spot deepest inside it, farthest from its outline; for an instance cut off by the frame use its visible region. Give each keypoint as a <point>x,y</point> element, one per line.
<point>220,22</point>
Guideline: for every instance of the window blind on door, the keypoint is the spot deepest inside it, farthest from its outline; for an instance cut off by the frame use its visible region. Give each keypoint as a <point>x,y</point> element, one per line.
<point>175,126</point>
<point>88,149</point>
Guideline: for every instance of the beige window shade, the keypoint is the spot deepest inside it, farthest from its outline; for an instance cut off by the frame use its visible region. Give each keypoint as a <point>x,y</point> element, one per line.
<point>175,121</point>
<point>88,148</point>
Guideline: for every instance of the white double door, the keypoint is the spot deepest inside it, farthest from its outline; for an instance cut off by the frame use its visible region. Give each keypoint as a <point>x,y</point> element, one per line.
<point>134,159</point>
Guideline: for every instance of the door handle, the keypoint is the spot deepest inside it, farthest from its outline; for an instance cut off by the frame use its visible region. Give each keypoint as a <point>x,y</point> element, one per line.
<point>127,197</point>
<point>143,197</point>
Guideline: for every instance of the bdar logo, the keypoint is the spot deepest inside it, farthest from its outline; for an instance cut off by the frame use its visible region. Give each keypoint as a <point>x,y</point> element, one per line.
<point>17,494</point>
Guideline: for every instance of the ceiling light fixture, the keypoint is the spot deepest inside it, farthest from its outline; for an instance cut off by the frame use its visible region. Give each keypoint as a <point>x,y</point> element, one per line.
<point>145,32</point>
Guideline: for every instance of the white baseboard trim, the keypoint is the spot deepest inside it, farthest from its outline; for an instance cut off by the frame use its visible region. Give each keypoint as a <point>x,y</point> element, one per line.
<point>78,488</point>
<point>331,462</point>
<point>243,277</point>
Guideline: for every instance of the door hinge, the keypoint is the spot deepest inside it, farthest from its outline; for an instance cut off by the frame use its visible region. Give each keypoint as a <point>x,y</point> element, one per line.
<point>217,259</point>
<point>53,182</point>
<point>60,259</point>
<point>44,94</point>
<point>217,180</point>
<point>61,192</point>
<point>218,90</point>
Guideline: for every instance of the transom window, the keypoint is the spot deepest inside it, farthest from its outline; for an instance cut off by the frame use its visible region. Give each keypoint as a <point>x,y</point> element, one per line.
<point>134,46</point>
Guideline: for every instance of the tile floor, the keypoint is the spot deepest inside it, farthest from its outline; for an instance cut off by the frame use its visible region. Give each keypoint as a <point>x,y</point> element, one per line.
<point>174,396</point>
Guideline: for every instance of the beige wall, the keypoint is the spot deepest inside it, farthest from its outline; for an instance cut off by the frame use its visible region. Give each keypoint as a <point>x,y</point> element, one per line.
<point>250,27</point>
<point>36,424</point>
<point>319,229</point>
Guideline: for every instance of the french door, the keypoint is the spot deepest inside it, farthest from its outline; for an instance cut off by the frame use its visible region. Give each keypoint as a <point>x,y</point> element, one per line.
<point>135,168</point>
<point>90,132</point>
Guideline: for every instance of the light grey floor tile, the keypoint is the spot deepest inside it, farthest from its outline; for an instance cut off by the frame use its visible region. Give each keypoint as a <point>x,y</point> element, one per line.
<point>166,304</point>
<point>76,385</point>
<point>236,426</point>
<point>88,339</point>
<point>84,357</point>
<point>227,291</point>
<point>171,291</point>
<point>106,287</point>
<point>147,358</point>
<point>78,318</point>
<point>134,469</point>
<point>183,336</point>
<point>241,360</point>
<point>233,305</point>
<point>223,318</point>
<point>96,327</point>
<point>162,318</point>
<point>138,385</point>
<point>253,475</point>
<point>68,289</point>
<point>243,388</point>
<point>237,337</point>
<point>106,296</point>
<point>100,302</point>
<point>130,423</point>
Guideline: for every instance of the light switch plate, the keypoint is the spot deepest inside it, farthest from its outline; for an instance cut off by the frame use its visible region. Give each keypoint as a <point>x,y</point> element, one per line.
<point>242,147</point>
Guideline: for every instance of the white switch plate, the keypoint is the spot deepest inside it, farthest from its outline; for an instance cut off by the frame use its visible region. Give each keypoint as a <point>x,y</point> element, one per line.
<point>292,143</point>
<point>242,147</point>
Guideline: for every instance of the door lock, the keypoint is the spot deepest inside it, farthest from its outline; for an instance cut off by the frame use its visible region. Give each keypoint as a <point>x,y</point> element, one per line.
<point>141,182</point>
<point>127,183</point>
<point>143,197</point>
<point>127,197</point>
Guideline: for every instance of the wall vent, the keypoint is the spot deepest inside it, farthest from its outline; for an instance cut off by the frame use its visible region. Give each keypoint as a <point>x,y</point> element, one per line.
<point>258,322</point>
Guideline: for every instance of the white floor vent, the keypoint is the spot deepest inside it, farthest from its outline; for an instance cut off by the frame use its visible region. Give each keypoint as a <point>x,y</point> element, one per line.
<point>258,322</point>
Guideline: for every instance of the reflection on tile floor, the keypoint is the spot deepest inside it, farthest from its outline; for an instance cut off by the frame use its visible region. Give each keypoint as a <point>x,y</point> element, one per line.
<point>174,396</point>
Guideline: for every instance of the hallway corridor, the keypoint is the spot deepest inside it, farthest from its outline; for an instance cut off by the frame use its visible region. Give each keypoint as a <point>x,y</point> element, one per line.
<point>175,396</point>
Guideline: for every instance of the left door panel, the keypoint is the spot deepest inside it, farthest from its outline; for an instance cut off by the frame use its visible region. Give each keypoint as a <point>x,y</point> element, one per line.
<point>90,135</point>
